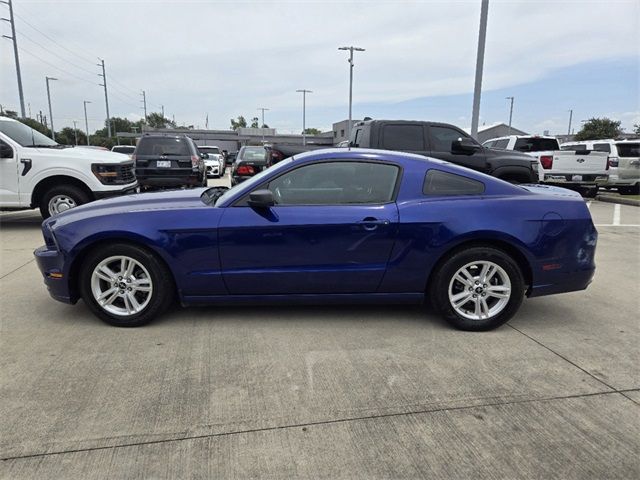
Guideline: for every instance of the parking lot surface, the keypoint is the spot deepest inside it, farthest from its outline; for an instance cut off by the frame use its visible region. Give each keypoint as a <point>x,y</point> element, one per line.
<point>337,392</point>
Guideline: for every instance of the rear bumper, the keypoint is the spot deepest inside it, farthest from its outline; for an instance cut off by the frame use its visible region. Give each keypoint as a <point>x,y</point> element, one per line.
<point>564,283</point>
<point>51,265</point>
<point>575,179</point>
<point>169,181</point>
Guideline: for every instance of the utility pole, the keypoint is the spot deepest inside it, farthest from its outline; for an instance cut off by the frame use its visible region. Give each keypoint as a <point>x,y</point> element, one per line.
<point>75,131</point>
<point>29,105</point>
<point>351,50</point>
<point>106,98</point>
<point>304,119</point>
<point>510,114</point>
<point>144,104</point>
<point>162,108</point>
<point>477,89</point>
<point>15,53</point>
<point>262,127</point>
<point>570,118</point>
<point>53,133</point>
<point>86,122</point>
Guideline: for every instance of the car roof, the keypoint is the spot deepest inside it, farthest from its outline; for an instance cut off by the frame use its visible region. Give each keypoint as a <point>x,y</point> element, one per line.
<point>207,146</point>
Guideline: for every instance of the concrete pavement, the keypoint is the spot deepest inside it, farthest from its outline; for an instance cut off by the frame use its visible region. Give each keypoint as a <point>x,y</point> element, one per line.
<point>337,392</point>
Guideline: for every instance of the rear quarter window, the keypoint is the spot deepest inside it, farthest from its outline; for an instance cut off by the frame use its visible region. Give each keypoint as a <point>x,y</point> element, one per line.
<point>437,182</point>
<point>403,137</point>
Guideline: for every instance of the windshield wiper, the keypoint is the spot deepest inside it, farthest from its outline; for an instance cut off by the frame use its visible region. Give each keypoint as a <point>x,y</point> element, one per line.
<point>56,145</point>
<point>171,154</point>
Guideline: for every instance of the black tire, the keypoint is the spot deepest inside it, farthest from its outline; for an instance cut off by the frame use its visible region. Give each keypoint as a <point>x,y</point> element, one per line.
<point>439,287</point>
<point>632,190</point>
<point>76,194</point>
<point>163,288</point>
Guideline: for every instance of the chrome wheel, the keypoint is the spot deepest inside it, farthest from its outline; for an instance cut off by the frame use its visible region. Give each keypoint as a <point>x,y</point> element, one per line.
<point>479,290</point>
<point>61,203</point>
<point>121,285</point>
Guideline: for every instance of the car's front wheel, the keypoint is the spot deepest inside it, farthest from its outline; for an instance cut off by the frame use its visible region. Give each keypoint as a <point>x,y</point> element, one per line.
<point>125,285</point>
<point>479,288</point>
<point>62,198</point>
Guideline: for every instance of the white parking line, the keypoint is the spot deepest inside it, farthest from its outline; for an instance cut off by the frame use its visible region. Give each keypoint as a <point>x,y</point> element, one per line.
<point>616,214</point>
<point>589,205</point>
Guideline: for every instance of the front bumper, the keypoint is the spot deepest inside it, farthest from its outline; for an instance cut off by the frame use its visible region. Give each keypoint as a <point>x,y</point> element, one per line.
<point>128,189</point>
<point>51,264</point>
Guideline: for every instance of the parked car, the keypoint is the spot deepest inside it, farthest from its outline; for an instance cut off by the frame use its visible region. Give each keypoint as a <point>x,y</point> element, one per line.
<point>231,157</point>
<point>36,172</point>
<point>214,163</point>
<point>125,149</point>
<point>249,162</point>
<point>329,226</point>
<point>169,161</point>
<point>624,162</point>
<point>279,151</point>
<point>446,142</point>
<point>580,170</point>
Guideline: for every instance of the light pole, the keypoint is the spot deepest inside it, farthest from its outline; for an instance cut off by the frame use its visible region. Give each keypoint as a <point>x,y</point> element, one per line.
<point>570,118</point>
<point>75,131</point>
<point>304,114</point>
<point>15,53</point>
<point>351,50</point>
<point>53,133</point>
<point>86,122</point>
<point>477,89</point>
<point>262,109</point>
<point>106,97</point>
<point>510,114</point>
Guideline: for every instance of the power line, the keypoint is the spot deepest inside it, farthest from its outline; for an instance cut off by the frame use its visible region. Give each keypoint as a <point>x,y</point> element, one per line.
<point>56,66</point>
<point>54,41</point>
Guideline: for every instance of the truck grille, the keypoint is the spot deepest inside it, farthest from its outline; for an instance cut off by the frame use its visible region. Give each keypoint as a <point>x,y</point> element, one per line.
<point>126,173</point>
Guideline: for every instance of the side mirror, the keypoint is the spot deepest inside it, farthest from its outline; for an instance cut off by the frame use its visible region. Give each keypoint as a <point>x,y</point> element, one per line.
<point>465,145</point>
<point>6,151</point>
<point>261,199</point>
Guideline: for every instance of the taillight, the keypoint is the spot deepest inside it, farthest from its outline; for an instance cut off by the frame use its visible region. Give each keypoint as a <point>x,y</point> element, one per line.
<point>195,160</point>
<point>546,161</point>
<point>612,162</point>
<point>245,170</point>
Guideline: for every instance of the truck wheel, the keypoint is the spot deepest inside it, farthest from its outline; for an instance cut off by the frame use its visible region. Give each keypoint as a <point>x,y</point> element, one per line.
<point>633,190</point>
<point>61,198</point>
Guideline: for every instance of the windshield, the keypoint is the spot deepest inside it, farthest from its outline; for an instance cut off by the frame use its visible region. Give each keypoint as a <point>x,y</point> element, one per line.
<point>215,150</point>
<point>535,144</point>
<point>25,135</point>
<point>253,181</point>
<point>252,153</point>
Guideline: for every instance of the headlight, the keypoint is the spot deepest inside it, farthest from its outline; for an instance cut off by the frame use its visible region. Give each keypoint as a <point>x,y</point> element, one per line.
<point>105,173</point>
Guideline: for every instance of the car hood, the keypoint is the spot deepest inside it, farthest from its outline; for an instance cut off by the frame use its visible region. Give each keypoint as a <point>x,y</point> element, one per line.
<point>167,200</point>
<point>89,155</point>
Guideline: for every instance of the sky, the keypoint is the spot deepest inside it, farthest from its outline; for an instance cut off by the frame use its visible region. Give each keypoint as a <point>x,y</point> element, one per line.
<point>222,59</point>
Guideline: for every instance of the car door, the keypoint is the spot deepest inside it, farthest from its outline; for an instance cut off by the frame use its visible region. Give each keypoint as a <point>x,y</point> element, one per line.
<point>9,177</point>
<point>441,138</point>
<point>331,231</point>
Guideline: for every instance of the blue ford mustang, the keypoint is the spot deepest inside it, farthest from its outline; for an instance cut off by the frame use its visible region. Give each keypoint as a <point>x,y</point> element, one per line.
<point>332,225</point>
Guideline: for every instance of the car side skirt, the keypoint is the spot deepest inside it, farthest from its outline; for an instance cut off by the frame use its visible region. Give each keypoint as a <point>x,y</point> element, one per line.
<point>305,299</point>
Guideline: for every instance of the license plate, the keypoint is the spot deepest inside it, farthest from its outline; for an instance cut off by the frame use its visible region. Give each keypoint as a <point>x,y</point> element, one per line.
<point>576,178</point>
<point>163,164</point>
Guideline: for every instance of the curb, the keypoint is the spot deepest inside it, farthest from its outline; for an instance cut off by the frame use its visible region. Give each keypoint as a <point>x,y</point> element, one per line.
<point>621,200</point>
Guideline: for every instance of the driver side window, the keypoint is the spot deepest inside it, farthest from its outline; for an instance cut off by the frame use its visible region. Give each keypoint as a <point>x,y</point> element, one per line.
<point>336,183</point>
<point>442,137</point>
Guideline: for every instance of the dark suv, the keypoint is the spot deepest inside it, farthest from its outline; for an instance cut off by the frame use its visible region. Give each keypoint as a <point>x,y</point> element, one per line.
<point>169,161</point>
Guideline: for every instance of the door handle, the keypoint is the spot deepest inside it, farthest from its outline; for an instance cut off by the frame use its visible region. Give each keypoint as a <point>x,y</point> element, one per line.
<point>371,223</point>
<point>27,166</point>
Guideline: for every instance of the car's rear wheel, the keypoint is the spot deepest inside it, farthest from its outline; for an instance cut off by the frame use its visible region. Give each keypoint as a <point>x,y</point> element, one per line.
<point>125,285</point>
<point>479,288</point>
<point>632,190</point>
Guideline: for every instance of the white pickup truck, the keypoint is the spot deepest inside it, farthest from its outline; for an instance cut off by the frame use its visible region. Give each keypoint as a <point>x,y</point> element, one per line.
<point>582,170</point>
<point>36,172</point>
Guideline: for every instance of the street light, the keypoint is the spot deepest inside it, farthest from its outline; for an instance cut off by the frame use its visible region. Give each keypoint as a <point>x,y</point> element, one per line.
<point>351,50</point>
<point>262,109</point>
<point>304,108</point>
<point>510,113</point>
<point>86,122</point>
<point>53,132</point>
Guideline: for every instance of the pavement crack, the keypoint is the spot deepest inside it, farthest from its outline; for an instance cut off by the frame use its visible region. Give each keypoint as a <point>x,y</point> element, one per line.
<point>308,424</point>
<point>565,358</point>
<point>16,269</point>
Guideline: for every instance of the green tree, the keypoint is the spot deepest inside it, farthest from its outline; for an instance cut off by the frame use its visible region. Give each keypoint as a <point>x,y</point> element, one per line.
<point>636,129</point>
<point>598,128</point>
<point>157,120</point>
<point>255,121</point>
<point>312,131</point>
<point>67,136</point>
<point>240,122</point>
<point>36,125</point>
